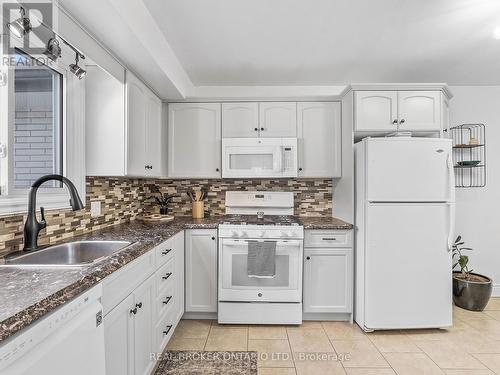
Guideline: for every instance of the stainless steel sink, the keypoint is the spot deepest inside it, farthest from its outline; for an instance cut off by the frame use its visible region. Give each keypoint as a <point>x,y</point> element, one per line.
<point>77,253</point>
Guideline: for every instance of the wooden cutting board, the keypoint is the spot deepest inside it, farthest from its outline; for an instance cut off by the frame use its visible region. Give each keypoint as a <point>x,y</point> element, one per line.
<point>150,217</point>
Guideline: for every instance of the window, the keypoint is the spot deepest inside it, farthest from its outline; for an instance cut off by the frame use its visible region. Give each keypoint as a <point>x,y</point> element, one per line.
<point>42,130</point>
<point>38,130</point>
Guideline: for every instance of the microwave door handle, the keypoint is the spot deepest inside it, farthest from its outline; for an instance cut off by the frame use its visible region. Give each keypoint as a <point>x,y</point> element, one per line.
<point>279,160</point>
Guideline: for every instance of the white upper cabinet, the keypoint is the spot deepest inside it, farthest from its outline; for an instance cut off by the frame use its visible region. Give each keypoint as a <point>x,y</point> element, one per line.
<point>319,139</point>
<point>123,127</point>
<point>419,110</point>
<point>194,140</point>
<point>144,130</point>
<point>136,135</point>
<point>387,111</point>
<point>155,139</point>
<point>267,119</point>
<point>104,124</point>
<point>278,119</point>
<point>240,120</point>
<point>376,110</point>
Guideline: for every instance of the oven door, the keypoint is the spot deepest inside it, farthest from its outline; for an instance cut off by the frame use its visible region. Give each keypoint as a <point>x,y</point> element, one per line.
<point>244,157</point>
<point>235,285</point>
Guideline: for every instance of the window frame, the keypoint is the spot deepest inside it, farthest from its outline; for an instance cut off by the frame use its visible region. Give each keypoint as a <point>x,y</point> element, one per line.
<point>73,141</point>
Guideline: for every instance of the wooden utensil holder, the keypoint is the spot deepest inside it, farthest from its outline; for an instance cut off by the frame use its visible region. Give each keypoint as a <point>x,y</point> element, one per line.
<point>198,210</point>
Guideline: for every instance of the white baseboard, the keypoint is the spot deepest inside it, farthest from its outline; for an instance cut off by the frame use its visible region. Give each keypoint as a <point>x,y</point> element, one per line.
<point>200,315</point>
<point>496,290</point>
<point>335,317</point>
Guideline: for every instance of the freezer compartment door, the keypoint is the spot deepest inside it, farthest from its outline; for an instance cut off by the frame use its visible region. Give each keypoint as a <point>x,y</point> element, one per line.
<point>409,170</point>
<point>407,266</point>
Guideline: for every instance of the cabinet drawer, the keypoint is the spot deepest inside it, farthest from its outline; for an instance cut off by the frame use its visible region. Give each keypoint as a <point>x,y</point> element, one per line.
<point>164,251</point>
<point>164,329</point>
<point>120,284</point>
<point>165,276</point>
<point>328,238</point>
<point>166,300</point>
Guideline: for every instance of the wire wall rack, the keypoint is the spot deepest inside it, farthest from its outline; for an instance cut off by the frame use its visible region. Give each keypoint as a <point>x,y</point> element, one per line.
<point>469,155</point>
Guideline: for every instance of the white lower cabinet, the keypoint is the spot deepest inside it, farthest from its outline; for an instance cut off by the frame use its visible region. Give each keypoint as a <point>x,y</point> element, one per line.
<point>144,297</point>
<point>143,321</point>
<point>328,273</point>
<point>201,270</point>
<point>327,280</point>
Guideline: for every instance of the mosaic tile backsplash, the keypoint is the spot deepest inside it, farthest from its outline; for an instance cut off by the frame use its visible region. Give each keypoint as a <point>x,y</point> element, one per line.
<point>125,198</point>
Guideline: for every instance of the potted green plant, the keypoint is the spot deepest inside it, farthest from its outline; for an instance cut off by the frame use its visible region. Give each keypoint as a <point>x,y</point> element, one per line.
<point>471,291</point>
<point>162,199</point>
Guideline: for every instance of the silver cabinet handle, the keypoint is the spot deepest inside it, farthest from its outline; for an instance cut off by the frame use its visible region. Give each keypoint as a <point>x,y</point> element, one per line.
<point>330,239</point>
<point>395,121</point>
<point>402,121</point>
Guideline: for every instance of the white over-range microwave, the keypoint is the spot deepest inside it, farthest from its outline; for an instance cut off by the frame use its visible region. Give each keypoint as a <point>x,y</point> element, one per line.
<point>259,157</point>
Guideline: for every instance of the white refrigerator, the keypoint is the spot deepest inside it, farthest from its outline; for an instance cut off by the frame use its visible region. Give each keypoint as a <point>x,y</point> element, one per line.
<point>405,208</point>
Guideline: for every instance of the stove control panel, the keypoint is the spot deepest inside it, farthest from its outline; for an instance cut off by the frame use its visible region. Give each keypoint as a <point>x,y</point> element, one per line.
<point>258,231</point>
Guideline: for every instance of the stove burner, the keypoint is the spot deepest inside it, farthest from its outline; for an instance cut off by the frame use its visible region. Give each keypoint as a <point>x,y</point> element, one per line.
<point>255,220</point>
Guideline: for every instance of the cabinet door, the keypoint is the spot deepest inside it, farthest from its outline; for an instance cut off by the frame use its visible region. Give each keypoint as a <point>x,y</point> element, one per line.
<point>194,140</point>
<point>154,137</point>
<point>104,123</point>
<point>119,339</point>
<point>136,120</point>
<point>278,119</point>
<point>375,111</point>
<point>201,270</point>
<point>419,110</point>
<point>327,280</point>
<point>319,135</point>
<point>240,120</point>
<point>144,320</point>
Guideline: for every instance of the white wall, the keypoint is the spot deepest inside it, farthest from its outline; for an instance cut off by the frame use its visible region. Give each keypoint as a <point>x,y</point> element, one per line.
<point>478,209</point>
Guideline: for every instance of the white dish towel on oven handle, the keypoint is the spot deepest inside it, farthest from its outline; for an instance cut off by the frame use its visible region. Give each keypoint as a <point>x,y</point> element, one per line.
<point>261,261</point>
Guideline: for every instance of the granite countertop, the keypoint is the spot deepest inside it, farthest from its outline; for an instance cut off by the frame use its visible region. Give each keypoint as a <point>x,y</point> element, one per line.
<point>27,294</point>
<point>323,222</point>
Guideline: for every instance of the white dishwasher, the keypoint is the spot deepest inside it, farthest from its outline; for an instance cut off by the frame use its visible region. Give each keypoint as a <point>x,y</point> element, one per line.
<point>68,341</point>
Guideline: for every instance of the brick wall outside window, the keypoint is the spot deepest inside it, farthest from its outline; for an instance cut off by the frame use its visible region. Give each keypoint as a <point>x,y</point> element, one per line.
<point>34,143</point>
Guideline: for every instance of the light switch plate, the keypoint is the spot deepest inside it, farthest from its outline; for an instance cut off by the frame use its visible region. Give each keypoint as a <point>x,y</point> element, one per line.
<point>95,208</point>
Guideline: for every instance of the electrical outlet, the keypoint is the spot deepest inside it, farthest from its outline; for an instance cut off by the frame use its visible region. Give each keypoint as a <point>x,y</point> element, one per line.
<point>95,208</point>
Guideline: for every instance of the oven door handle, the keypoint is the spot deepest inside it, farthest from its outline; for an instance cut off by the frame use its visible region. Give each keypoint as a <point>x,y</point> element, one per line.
<point>278,243</point>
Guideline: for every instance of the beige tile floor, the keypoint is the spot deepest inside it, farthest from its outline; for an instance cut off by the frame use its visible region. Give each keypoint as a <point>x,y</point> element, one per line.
<point>470,347</point>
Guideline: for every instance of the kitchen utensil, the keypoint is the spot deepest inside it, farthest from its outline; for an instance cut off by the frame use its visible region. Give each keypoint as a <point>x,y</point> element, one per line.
<point>204,190</point>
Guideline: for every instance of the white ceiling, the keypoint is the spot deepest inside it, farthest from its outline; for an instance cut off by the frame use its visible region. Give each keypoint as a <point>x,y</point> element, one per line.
<point>332,42</point>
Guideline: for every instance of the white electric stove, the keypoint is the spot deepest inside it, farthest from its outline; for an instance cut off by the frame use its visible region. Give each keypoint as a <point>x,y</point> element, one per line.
<point>260,216</point>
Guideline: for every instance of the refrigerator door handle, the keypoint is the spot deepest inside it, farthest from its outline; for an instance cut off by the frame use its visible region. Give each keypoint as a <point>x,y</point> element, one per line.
<point>451,233</point>
<point>451,203</point>
<point>451,177</point>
